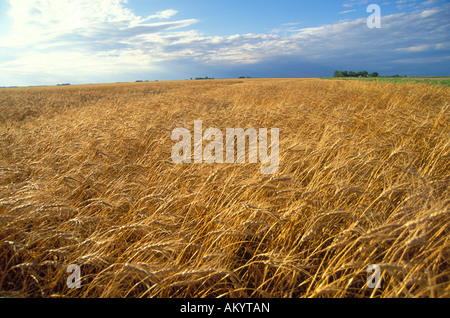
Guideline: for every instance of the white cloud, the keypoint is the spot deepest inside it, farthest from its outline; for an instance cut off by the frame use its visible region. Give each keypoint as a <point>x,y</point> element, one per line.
<point>291,24</point>
<point>166,14</point>
<point>40,21</point>
<point>416,48</point>
<point>68,37</point>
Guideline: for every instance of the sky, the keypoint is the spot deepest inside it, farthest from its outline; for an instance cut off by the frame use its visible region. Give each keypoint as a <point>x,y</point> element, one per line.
<point>46,42</point>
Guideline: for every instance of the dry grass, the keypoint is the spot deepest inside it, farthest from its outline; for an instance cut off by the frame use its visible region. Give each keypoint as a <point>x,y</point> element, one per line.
<point>86,178</point>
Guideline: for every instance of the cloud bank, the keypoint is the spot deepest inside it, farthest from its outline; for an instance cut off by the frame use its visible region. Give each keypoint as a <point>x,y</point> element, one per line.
<point>104,41</point>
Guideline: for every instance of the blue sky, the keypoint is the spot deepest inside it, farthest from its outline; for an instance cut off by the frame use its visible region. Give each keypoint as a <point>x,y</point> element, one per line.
<point>46,42</point>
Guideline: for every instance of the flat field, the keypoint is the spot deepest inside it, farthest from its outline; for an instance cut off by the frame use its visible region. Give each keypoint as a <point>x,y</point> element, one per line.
<point>86,178</point>
<point>428,80</point>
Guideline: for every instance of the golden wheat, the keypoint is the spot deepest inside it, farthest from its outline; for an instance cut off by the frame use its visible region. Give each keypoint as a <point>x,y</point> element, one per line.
<point>86,178</point>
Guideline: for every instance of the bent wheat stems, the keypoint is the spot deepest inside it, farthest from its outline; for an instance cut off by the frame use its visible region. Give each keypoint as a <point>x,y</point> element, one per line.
<point>86,178</point>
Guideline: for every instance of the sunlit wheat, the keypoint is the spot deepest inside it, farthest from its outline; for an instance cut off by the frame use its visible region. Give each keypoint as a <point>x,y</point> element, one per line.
<point>86,178</point>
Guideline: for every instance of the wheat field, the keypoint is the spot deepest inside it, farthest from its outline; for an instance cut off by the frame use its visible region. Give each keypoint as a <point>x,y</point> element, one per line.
<point>86,178</point>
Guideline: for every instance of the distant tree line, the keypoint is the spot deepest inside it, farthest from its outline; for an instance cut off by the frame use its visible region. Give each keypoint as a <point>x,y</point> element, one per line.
<point>203,78</point>
<point>355,74</point>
